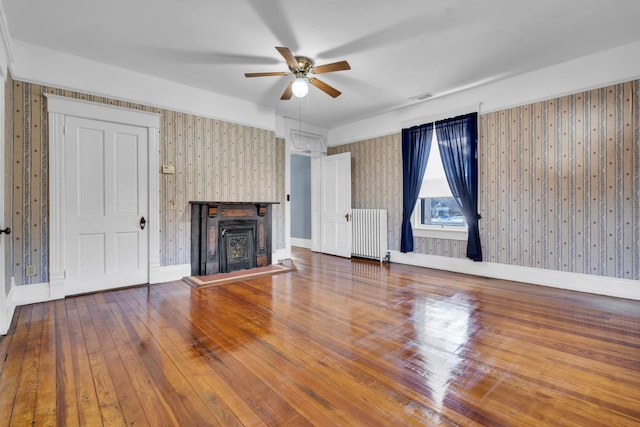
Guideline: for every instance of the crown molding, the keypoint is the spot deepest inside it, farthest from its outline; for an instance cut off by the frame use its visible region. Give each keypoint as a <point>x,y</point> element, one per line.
<point>6,36</point>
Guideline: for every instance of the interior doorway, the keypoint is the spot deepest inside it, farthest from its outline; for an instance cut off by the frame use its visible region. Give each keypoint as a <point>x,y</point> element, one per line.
<point>305,144</point>
<point>301,200</point>
<point>60,111</point>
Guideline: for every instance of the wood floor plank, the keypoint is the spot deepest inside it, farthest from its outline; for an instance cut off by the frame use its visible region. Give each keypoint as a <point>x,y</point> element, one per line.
<point>343,368</point>
<point>86,399</point>
<point>179,347</point>
<point>180,395</point>
<point>338,342</point>
<point>179,328</point>
<point>111,411</point>
<point>45,410</point>
<point>66,400</point>
<point>338,372</point>
<point>24,405</point>
<point>269,360</point>
<point>268,405</point>
<point>106,327</point>
<point>267,364</point>
<point>16,354</point>
<point>153,402</point>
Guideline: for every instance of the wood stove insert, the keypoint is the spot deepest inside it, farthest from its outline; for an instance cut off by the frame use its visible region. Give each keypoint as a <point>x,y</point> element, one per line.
<point>229,236</point>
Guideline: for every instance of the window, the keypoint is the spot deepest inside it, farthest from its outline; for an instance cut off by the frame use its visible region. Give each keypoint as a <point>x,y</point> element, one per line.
<point>441,211</point>
<point>436,213</point>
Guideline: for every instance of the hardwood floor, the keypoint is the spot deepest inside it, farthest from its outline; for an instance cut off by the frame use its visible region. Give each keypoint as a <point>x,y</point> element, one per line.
<point>337,342</point>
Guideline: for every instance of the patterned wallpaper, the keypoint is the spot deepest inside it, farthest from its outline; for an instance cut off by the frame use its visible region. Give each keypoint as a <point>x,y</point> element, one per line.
<point>278,210</point>
<point>213,159</point>
<point>559,184</point>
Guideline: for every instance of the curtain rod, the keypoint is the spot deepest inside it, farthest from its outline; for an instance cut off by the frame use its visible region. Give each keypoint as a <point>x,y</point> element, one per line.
<point>458,111</point>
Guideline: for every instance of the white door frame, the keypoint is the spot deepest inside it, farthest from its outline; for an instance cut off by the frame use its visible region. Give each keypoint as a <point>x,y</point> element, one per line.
<point>303,139</point>
<point>6,307</point>
<point>59,107</point>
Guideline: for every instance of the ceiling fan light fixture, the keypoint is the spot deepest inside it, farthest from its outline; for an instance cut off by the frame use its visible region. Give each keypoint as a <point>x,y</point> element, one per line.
<point>299,66</point>
<point>300,87</point>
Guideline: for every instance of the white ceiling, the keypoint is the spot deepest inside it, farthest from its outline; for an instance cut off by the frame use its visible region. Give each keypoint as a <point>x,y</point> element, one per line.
<point>396,50</point>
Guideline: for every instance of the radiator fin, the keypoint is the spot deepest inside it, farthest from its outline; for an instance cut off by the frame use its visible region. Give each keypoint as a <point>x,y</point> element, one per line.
<point>369,230</point>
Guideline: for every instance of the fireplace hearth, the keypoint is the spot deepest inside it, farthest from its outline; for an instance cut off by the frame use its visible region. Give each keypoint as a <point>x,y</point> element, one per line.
<point>229,236</point>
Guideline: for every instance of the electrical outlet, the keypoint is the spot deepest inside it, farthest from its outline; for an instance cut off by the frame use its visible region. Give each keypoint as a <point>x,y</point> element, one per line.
<point>30,270</point>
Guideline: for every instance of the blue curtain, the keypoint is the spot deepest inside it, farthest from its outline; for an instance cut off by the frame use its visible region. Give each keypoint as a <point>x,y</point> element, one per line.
<point>458,142</point>
<point>416,143</point>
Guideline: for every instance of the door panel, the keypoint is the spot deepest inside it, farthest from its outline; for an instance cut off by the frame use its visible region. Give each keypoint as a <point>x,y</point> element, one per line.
<point>91,254</point>
<point>126,175</point>
<point>106,195</point>
<point>90,172</point>
<point>127,251</point>
<point>335,228</point>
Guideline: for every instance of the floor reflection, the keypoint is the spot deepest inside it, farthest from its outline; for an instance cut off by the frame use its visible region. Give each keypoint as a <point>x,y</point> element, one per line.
<point>443,327</point>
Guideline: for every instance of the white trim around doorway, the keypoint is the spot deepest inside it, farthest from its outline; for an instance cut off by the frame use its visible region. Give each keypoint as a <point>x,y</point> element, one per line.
<point>60,107</point>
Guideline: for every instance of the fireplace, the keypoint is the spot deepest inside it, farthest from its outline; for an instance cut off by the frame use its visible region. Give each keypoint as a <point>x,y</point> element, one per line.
<point>237,244</point>
<point>229,236</point>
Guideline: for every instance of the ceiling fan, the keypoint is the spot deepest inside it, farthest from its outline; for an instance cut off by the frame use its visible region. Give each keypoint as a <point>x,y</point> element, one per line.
<point>301,66</point>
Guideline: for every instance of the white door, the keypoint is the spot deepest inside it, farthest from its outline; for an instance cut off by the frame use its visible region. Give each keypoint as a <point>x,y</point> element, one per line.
<point>335,205</point>
<point>106,199</point>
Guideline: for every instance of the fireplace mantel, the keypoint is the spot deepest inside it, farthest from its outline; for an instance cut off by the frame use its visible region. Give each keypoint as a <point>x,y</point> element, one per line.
<point>220,232</point>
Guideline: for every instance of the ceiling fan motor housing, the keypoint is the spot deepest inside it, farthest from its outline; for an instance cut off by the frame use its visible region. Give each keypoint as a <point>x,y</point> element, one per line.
<point>304,65</point>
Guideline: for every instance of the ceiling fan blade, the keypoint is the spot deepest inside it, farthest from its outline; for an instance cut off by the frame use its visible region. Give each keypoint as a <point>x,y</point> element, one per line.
<point>275,73</point>
<point>327,68</point>
<point>288,56</point>
<point>287,92</point>
<point>325,87</point>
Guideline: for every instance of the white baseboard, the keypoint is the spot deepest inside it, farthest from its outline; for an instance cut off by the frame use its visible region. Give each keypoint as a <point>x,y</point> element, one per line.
<point>620,288</point>
<point>32,294</point>
<point>280,254</point>
<point>42,292</point>
<point>170,273</point>
<point>6,314</point>
<point>301,243</point>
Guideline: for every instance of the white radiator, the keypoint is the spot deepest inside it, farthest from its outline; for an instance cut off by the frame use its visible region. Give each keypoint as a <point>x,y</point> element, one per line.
<point>369,230</point>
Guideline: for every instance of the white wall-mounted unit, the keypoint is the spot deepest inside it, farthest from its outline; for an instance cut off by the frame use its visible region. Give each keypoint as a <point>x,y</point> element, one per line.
<point>369,233</point>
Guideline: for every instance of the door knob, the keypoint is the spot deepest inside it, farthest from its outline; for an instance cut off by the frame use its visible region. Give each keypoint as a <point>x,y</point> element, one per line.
<point>143,222</point>
<point>347,216</point>
<point>6,230</point>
